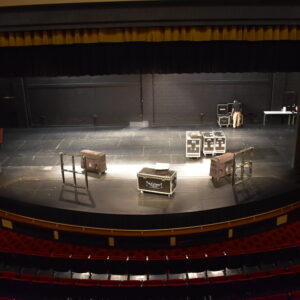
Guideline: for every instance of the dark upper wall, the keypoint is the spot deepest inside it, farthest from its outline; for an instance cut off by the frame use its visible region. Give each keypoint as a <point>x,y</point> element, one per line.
<point>156,13</point>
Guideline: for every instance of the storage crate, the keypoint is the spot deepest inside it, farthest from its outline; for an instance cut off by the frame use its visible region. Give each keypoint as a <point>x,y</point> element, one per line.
<point>193,144</point>
<point>208,143</point>
<point>95,161</point>
<point>223,121</point>
<point>221,166</point>
<point>157,181</point>
<point>220,142</point>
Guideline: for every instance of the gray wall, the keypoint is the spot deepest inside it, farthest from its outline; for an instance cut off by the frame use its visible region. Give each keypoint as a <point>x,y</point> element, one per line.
<point>86,100</point>
<point>12,103</point>
<point>193,98</point>
<point>169,99</point>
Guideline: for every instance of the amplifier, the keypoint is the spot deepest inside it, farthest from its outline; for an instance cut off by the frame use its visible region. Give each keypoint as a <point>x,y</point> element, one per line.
<point>222,109</point>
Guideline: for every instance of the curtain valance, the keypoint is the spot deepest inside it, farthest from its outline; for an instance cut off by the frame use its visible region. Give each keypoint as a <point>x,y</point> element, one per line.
<point>162,34</point>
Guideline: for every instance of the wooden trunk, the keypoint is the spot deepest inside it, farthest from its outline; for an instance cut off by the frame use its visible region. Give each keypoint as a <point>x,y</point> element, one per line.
<point>221,166</point>
<point>95,161</point>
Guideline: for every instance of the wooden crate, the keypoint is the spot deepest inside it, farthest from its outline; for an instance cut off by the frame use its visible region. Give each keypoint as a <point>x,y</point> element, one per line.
<point>221,166</point>
<point>95,161</point>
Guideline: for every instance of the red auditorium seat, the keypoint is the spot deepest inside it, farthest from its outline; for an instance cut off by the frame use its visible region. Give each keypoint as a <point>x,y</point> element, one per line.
<point>154,283</point>
<point>65,281</point>
<point>218,279</point>
<point>27,277</point>
<point>178,263</point>
<point>294,269</point>
<point>260,274</point>
<point>137,264</point>
<point>109,283</point>
<point>295,295</point>
<point>8,275</point>
<point>240,277</point>
<point>46,279</point>
<point>278,297</point>
<point>198,281</point>
<point>278,271</point>
<point>157,264</point>
<point>176,282</point>
<point>118,264</point>
<point>131,283</point>
<point>86,282</point>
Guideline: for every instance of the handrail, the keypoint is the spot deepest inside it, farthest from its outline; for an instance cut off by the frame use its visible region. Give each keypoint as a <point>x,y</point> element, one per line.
<point>149,232</point>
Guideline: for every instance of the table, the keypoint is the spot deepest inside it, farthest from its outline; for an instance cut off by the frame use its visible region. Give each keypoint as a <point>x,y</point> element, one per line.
<point>291,115</point>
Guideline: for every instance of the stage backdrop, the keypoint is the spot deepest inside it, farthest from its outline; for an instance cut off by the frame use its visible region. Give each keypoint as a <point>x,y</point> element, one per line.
<point>86,100</point>
<point>161,99</point>
<point>171,99</point>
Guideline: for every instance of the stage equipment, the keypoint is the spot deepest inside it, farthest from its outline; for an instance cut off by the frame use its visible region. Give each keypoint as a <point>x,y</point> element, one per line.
<point>222,109</point>
<point>63,170</point>
<point>157,181</point>
<point>208,143</point>
<point>193,144</point>
<point>224,117</point>
<point>95,161</point>
<point>221,166</point>
<point>220,142</point>
<point>224,121</point>
<point>242,162</point>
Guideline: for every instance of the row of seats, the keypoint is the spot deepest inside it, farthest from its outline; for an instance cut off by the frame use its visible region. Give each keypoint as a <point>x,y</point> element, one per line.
<point>239,263</point>
<point>241,283</point>
<point>234,264</point>
<point>281,237</point>
<point>293,295</point>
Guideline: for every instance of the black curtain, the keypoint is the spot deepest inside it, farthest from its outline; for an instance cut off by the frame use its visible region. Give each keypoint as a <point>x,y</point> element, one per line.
<point>168,57</point>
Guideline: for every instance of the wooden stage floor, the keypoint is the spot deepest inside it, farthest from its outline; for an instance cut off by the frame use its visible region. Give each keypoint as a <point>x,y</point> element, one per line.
<point>31,168</point>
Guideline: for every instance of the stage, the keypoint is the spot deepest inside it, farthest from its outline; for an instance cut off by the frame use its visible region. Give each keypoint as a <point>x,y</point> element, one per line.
<point>31,172</point>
